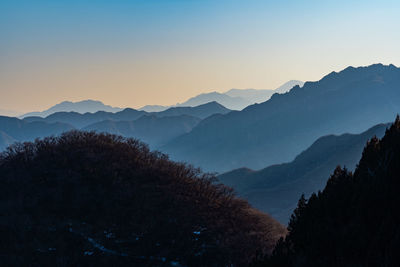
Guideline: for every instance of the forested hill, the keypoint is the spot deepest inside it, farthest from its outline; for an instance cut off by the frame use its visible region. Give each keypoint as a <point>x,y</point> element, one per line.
<point>277,188</point>
<point>355,220</point>
<point>86,199</point>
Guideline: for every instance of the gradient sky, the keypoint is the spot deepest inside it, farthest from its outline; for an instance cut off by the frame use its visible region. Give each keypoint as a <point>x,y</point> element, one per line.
<point>133,53</point>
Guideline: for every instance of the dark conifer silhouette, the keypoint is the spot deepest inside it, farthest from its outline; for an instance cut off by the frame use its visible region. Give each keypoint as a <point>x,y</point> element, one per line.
<point>354,221</point>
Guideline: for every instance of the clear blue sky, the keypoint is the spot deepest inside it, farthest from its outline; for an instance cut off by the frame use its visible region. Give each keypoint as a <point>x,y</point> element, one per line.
<point>132,53</point>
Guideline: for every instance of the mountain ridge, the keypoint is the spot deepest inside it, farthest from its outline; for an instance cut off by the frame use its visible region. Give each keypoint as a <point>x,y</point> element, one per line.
<point>276,189</point>
<point>81,107</point>
<point>277,130</point>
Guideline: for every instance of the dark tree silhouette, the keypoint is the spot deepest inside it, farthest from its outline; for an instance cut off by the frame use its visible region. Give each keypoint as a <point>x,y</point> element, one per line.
<point>355,220</point>
<point>99,199</point>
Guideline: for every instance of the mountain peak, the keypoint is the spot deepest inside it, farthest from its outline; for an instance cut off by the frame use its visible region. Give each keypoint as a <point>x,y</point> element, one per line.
<point>81,107</point>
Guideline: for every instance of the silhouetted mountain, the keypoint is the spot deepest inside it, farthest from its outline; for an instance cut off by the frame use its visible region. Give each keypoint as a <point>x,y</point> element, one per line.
<point>234,99</point>
<point>258,96</point>
<point>286,87</point>
<point>19,130</point>
<point>238,99</point>
<point>84,199</point>
<point>279,129</point>
<point>83,120</point>
<point>149,129</point>
<point>153,108</point>
<point>202,111</point>
<point>276,189</point>
<point>79,107</point>
<point>355,220</point>
<point>225,100</point>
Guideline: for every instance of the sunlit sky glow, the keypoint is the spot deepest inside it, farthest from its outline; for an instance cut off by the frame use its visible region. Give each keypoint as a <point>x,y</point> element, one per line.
<point>133,53</point>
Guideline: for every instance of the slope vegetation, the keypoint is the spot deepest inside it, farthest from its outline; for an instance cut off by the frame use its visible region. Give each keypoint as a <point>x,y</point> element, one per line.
<point>102,200</point>
<point>354,221</point>
<point>277,188</point>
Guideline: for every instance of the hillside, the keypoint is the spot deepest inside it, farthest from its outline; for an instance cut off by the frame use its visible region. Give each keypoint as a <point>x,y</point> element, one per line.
<point>102,200</point>
<point>354,221</point>
<point>277,188</point>
<point>277,130</point>
<point>152,130</point>
<point>14,129</point>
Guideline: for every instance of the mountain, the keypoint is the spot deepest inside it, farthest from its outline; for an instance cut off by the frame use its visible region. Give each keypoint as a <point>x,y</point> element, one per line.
<point>238,99</point>
<point>152,130</point>
<point>225,100</point>
<point>234,99</point>
<point>286,87</point>
<point>14,129</point>
<point>85,106</point>
<point>277,130</point>
<point>153,108</point>
<point>202,111</point>
<point>156,128</point>
<point>86,199</point>
<point>277,188</point>
<point>253,96</point>
<point>81,121</point>
<point>354,221</point>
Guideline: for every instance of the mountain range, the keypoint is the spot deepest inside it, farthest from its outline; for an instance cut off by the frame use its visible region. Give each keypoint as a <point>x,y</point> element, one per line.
<point>79,120</point>
<point>156,128</point>
<point>276,189</point>
<point>277,130</point>
<point>79,107</point>
<point>234,99</point>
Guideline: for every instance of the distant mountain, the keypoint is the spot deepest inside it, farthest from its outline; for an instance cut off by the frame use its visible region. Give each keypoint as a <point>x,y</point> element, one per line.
<point>202,111</point>
<point>225,100</point>
<point>253,96</point>
<point>238,99</point>
<point>13,129</point>
<point>155,128</point>
<point>279,129</point>
<point>152,130</point>
<point>276,189</point>
<point>286,87</point>
<point>234,99</point>
<point>79,107</point>
<point>80,121</point>
<point>355,220</point>
<point>153,108</point>
<point>85,199</point>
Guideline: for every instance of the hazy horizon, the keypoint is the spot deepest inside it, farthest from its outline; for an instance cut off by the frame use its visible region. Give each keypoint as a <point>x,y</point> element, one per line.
<point>164,52</point>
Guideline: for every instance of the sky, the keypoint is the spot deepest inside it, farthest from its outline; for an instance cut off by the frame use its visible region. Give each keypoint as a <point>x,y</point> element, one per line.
<point>134,53</point>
